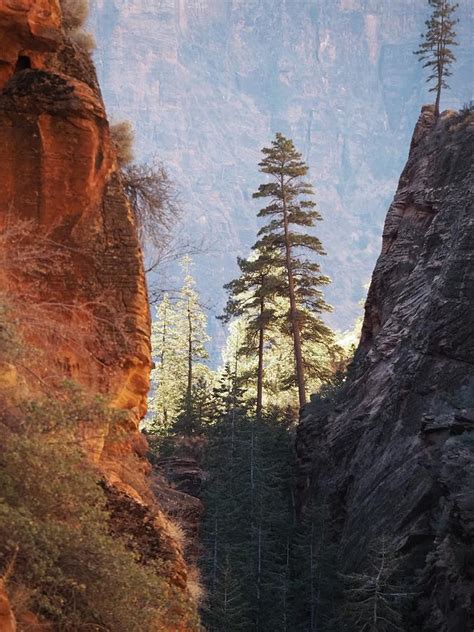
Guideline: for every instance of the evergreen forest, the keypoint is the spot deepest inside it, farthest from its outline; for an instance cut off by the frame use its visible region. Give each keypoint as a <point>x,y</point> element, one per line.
<point>263,566</point>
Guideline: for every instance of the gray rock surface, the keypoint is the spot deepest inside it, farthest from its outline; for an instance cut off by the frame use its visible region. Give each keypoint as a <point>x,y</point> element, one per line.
<point>395,448</point>
<point>208,82</point>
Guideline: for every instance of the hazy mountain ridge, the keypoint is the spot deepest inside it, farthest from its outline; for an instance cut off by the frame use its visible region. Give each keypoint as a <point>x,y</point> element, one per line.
<point>207,83</point>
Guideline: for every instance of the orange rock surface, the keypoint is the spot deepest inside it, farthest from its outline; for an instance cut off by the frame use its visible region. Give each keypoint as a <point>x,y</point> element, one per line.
<point>7,619</point>
<point>59,178</point>
<point>27,28</point>
<point>59,172</point>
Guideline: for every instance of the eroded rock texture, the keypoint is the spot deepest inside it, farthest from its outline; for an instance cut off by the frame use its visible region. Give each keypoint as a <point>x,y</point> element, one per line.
<point>59,174</point>
<point>59,180</point>
<point>7,618</point>
<point>176,482</point>
<point>394,449</point>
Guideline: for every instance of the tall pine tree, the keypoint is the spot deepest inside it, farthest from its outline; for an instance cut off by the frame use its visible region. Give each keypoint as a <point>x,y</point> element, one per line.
<point>178,344</point>
<point>191,330</point>
<point>291,212</point>
<point>168,378</point>
<point>436,46</point>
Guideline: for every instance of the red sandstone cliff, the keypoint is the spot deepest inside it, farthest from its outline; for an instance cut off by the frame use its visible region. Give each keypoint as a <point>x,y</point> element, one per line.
<point>59,179</point>
<point>59,172</point>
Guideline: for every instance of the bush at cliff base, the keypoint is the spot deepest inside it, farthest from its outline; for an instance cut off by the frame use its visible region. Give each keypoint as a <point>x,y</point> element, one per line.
<point>63,563</point>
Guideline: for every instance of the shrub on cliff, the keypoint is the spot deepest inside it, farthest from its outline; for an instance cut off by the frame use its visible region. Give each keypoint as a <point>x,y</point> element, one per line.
<point>151,193</point>
<point>153,199</point>
<point>54,529</point>
<point>75,13</point>
<point>462,119</point>
<point>83,39</point>
<point>122,136</point>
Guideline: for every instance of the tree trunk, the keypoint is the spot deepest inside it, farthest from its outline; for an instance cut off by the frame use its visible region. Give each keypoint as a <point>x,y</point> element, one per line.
<point>261,341</point>
<point>234,404</point>
<point>214,556</point>
<point>259,573</point>
<point>438,98</point>
<point>162,358</point>
<point>311,576</point>
<point>190,366</point>
<point>439,70</point>
<point>300,377</point>
<point>440,83</point>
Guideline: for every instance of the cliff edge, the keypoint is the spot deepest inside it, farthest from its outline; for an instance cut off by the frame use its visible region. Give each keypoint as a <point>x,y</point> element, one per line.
<point>85,306</point>
<point>393,450</point>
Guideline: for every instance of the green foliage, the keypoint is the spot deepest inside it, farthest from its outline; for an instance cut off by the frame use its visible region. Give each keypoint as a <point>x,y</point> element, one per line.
<point>374,598</point>
<point>197,410</point>
<point>315,585</point>
<point>322,363</point>
<point>252,296</point>
<point>257,281</point>
<point>53,517</point>
<point>179,341</point>
<point>291,213</point>
<point>168,378</point>
<point>278,294</point>
<point>192,322</point>
<point>290,202</point>
<point>248,521</point>
<point>227,609</point>
<point>436,46</point>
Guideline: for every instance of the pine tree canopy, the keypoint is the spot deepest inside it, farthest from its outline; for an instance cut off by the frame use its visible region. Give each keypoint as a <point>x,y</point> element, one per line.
<point>192,321</point>
<point>289,203</point>
<point>168,378</point>
<point>257,281</point>
<point>278,296</point>
<point>179,341</point>
<point>435,49</point>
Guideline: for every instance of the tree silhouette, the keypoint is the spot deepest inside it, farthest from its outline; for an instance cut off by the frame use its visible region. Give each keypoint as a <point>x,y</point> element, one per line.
<point>436,47</point>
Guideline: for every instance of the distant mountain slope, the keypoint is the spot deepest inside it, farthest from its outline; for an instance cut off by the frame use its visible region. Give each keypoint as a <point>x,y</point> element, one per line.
<point>208,82</point>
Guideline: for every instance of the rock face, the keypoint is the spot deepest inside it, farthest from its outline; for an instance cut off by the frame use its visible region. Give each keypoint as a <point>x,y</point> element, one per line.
<point>177,483</point>
<point>28,30</point>
<point>7,618</point>
<point>59,175</point>
<point>60,189</point>
<point>213,80</point>
<point>394,450</point>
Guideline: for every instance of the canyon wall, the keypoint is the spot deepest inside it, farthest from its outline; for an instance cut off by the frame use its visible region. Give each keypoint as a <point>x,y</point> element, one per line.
<point>60,178</point>
<point>208,83</point>
<point>393,451</point>
<point>85,308</point>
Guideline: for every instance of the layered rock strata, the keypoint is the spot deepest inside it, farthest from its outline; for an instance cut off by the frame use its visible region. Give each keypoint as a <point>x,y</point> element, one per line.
<point>393,451</point>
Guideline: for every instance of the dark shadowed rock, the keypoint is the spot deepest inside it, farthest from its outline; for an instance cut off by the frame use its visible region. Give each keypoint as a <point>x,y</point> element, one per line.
<point>395,450</point>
